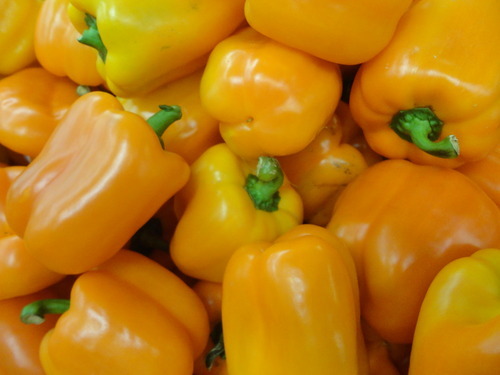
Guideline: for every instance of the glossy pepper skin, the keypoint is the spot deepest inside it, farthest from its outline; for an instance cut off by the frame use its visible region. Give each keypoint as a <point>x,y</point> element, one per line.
<point>71,228</point>
<point>424,98</point>
<point>145,45</point>
<point>57,48</point>
<point>216,203</point>
<point>196,131</point>
<point>17,19</point>
<point>461,305</point>
<point>338,31</point>
<point>291,307</point>
<point>32,102</point>
<point>402,223</point>
<point>270,99</point>
<point>322,169</point>
<point>127,316</point>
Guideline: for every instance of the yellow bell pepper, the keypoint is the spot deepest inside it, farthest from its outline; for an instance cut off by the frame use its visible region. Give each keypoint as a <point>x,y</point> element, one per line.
<point>458,328</point>
<point>226,203</point>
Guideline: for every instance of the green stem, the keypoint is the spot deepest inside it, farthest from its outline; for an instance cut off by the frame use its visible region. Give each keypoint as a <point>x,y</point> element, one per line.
<point>34,313</point>
<point>82,90</point>
<point>92,38</point>
<point>218,350</point>
<point>422,127</point>
<point>161,120</point>
<point>263,187</point>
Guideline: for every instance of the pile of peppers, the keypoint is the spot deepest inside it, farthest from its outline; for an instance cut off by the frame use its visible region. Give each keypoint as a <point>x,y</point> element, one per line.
<point>249,187</point>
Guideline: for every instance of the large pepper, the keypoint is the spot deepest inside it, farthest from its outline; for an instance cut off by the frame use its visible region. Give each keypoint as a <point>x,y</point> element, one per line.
<point>226,203</point>
<point>458,328</point>
<point>128,316</point>
<point>99,178</point>
<point>344,32</point>
<point>32,102</point>
<point>17,22</point>
<point>433,94</point>
<point>195,131</point>
<point>402,223</point>
<point>57,48</point>
<point>269,98</point>
<point>291,307</point>
<point>145,45</point>
<point>323,168</point>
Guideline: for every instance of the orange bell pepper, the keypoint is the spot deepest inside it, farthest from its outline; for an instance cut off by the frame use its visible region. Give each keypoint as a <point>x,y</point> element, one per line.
<point>230,202</point>
<point>19,343</point>
<point>32,102</point>
<point>424,97</point>
<point>17,20</point>
<point>128,316</point>
<point>144,46</point>
<point>485,173</point>
<point>57,48</point>
<point>322,169</point>
<point>291,307</point>
<point>402,223</point>
<point>195,131</point>
<point>343,32</point>
<point>99,178</point>
<point>270,99</point>
<point>459,323</point>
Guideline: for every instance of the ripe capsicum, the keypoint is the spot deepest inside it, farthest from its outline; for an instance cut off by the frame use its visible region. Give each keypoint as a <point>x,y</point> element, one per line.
<point>460,319</point>
<point>143,46</point>
<point>291,307</point>
<point>402,223</point>
<point>32,102</point>
<point>57,48</point>
<point>424,97</point>
<point>230,202</point>
<point>344,32</point>
<point>99,178</point>
<point>128,316</point>
<point>270,99</point>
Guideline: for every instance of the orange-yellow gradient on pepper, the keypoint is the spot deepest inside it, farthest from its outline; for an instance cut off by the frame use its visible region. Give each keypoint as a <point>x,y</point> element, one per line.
<point>269,98</point>
<point>196,131</point>
<point>459,322</point>
<point>402,223</point>
<point>433,94</point>
<point>57,48</point>
<point>128,316</point>
<point>226,203</point>
<point>291,307</point>
<point>344,32</point>
<point>145,45</point>
<point>32,102</point>
<point>99,178</point>
<point>17,31</point>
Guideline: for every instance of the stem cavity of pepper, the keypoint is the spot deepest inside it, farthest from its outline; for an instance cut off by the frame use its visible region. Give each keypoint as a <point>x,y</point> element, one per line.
<point>34,313</point>
<point>422,127</point>
<point>92,38</point>
<point>263,187</point>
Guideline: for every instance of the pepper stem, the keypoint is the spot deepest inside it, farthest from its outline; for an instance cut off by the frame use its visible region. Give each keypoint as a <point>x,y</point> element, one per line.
<point>161,120</point>
<point>422,127</point>
<point>34,313</point>
<point>92,38</point>
<point>218,349</point>
<point>263,188</point>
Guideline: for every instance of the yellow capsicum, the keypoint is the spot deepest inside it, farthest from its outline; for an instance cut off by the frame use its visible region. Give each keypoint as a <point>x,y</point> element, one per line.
<point>458,327</point>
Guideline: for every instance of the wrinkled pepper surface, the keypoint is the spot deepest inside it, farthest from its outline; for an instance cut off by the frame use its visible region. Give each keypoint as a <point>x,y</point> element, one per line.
<point>402,223</point>
<point>129,315</point>
<point>460,319</point>
<point>32,102</point>
<point>143,46</point>
<point>344,32</point>
<point>291,307</point>
<point>226,203</point>
<point>270,99</point>
<point>99,178</point>
<point>57,48</point>
<point>424,97</point>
